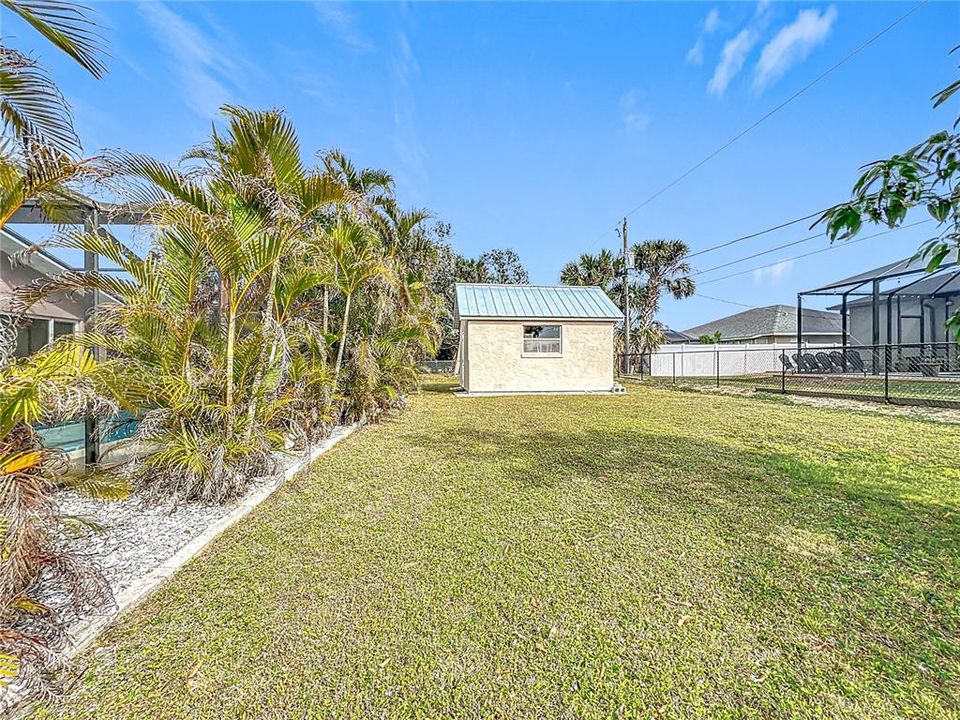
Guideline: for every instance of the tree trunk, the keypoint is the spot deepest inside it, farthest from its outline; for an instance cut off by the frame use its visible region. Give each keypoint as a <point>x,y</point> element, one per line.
<point>326,309</point>
<point>261,371</point>
<point>231,342</point>
<point>343,339</point>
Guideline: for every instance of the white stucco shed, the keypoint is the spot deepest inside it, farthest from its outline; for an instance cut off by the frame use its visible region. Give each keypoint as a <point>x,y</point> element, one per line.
<point>535,338</point>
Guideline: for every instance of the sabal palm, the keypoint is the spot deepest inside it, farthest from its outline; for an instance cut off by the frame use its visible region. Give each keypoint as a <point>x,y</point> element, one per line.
<point>601,270</point>
<point>663,267</point>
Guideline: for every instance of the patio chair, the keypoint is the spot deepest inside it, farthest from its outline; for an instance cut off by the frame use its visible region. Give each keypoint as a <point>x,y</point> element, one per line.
<point>811,363</point>
<point>787,365</point>
<point>836,359</point>
<point>824,361</point>
<point>855,362</point>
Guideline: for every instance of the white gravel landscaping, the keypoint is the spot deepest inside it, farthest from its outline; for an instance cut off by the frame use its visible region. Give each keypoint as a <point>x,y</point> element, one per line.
<point>142,544</point>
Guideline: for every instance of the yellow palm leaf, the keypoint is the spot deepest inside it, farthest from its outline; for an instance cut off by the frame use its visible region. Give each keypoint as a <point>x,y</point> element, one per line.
<point>20,461</point>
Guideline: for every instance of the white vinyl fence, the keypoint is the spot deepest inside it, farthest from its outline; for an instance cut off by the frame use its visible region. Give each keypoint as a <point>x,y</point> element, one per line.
<point>701,360</point>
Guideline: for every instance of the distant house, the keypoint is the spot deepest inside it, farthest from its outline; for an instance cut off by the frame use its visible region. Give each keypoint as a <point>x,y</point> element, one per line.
<point>532,338</point>
<point>676,337</point>
<point>773,324</point>
<point>49,318</point>
<point>897,303</point>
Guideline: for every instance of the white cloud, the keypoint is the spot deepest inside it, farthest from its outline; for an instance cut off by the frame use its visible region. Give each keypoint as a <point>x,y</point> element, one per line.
<point>406,140</point>
<point>208,76</point>
<point>710,25</point>
<point>335,16</point>
<point>712,21</point>
<point>633,119</point>
<point>773,273</point>
<point>732,58</point>
<point>792,44</point>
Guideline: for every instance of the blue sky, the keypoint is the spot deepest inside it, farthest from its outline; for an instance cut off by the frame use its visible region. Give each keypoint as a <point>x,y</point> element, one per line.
<point>536,126</point>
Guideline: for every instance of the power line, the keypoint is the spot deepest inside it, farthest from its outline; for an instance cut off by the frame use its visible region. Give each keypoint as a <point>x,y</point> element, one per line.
<point>856,51</point>
<point>815,252</point>
<point>779,107</point>
<point>754,234</point>
<point>758,254</point>
<point>729,302</point>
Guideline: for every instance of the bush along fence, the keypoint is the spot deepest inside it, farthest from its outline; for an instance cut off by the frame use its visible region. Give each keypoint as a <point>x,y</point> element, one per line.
<point>907,374</point>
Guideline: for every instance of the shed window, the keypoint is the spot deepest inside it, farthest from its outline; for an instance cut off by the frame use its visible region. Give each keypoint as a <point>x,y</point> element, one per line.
<point>541,340</point>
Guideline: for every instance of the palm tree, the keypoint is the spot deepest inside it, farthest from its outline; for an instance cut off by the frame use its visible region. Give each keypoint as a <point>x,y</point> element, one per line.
<point>39,150</point>
<point>67,26</point>
<point>367,186</point>
<point>663,267</point>
<point>601,270</point>
<point>253,164</point>
<point>355,253</point>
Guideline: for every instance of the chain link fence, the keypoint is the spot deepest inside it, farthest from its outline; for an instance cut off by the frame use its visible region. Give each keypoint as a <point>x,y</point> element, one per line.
<point>438,367</point>
<point>909,374</point>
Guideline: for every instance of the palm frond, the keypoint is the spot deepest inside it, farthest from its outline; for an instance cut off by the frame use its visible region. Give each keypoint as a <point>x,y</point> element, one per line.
<point>31,105</point>
<point>67,25</point>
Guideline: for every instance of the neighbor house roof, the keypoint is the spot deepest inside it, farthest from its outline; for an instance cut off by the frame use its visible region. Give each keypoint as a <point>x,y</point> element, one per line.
<point>771,320</point>
<point>557,302</point>
<point>675,336</point>
<point>13,244</point>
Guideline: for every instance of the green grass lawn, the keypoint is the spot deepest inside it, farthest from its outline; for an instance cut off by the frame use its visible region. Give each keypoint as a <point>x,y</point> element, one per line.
<point>659,555</point>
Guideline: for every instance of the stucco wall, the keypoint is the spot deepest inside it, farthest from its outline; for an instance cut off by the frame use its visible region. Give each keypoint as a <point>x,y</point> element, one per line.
<point>13,275</point>
<point>495,360</point>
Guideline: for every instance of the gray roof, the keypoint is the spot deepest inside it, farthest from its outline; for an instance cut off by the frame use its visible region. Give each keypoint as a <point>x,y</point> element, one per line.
<point>675,336</point>
<point>534,301</point>
<point>771,320</point>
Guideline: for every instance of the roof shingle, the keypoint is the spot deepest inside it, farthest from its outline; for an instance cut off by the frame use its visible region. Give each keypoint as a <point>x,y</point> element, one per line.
<point>770,320</point>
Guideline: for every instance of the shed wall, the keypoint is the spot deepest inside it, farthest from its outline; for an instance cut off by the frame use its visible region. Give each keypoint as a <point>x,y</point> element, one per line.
<point>494,359</point>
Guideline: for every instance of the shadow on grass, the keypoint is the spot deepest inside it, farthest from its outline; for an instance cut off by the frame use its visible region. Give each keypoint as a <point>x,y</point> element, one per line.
<point>434,385</point>
<point>847,534</point>
<point>854,493</point>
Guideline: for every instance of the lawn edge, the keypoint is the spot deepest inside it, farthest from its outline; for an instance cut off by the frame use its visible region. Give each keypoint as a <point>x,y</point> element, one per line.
<point>83,636</point>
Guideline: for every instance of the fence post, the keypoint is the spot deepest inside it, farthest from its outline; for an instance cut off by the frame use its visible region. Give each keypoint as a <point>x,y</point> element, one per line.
<point>783,373</point>
<point>718,367</point>
<point>886,372</point>
<point>674,368</point>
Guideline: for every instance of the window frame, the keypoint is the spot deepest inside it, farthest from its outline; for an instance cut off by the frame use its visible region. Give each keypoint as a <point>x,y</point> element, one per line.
<point>537,353</point>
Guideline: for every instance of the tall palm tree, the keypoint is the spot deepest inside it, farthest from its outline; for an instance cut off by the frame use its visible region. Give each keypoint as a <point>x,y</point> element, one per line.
<point>663,268</point>
<point>601,270</point>
<point>356,255</point>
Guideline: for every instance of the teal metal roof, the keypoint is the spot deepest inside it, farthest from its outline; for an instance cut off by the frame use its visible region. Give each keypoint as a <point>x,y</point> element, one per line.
<point>534,301</point>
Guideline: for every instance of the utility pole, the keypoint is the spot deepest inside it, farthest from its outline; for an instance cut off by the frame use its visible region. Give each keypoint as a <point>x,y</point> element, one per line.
<point>626,296</point>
